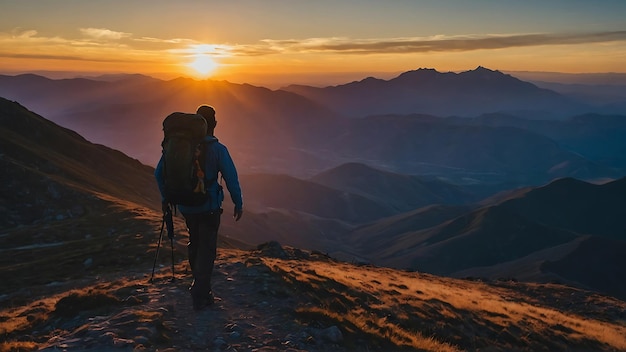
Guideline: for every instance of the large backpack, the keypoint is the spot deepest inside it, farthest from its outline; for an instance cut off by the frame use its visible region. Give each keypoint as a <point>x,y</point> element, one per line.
<point>184,159</point>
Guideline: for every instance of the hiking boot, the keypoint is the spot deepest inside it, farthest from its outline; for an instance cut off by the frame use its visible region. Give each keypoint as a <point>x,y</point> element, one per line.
<point>200,303</point>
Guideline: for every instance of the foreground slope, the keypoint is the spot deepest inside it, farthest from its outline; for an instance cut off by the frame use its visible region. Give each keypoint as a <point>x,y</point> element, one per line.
<point>69,207</point>
<point>278,298</point>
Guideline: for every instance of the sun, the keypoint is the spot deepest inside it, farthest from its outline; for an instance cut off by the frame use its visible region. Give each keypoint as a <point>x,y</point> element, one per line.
<point>203,64</point>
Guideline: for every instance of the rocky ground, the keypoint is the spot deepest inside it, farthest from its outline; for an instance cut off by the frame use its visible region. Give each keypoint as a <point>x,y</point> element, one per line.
<point>285,299</point>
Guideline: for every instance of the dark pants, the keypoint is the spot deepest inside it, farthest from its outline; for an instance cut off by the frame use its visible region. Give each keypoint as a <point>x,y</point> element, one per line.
<point>202,249</point>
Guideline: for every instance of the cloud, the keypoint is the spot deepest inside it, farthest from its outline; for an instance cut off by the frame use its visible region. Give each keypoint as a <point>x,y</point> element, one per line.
<point>103,33</point>
<point>432,44</point>
<point>102,45</point>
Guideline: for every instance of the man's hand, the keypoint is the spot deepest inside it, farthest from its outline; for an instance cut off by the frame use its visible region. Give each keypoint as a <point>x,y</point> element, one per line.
<point>237,214</point>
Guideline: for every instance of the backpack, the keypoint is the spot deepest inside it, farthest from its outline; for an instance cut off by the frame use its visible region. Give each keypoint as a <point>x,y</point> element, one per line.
<point>184,158</point>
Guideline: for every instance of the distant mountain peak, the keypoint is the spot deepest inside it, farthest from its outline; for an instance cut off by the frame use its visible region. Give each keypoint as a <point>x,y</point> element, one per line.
<point>420,73</point>
<point>484,69</point>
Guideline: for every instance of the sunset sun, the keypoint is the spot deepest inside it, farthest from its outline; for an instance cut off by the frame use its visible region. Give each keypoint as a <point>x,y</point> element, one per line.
<point>203,64</point>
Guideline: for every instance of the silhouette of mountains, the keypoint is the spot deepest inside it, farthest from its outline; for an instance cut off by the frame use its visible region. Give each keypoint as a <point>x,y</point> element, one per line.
<point>281,132</point>
<point>427,91</point>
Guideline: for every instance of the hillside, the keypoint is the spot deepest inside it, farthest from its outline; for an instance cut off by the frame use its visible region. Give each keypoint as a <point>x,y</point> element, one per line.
<point>286,192</point>
<point>532,234</point>
<point>36,144</point>
<point>402,192</point>
<point>597,137</point>
<point>278,298</point>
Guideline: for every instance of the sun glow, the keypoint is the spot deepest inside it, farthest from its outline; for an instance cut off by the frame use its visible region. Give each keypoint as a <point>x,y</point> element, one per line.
<point>203,64</point>
<point>203,61</point>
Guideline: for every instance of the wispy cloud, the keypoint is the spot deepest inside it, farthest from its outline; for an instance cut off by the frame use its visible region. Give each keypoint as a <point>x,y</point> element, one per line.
<point>103,33</point>
<point>93,44</point>
<point>430,44</point>
<point>102,44</point>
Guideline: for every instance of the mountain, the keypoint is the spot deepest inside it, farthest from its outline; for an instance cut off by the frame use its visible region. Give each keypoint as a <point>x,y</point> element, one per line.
<point>128,113</point>
<point>68,206</point>
<point>286,192</point>
<point>58,159</point>
<point>462,154</point>
<point>597,137</point>
<point>575,205</point>
<point>402,192</point>
<point>280,132</point>
<point>533,234</point>
<point>428,91</point>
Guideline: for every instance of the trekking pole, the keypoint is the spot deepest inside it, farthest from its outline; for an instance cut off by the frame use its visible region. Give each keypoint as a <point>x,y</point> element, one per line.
<point>172,242</point>
<point>167,218</point>
<point>156,255</point>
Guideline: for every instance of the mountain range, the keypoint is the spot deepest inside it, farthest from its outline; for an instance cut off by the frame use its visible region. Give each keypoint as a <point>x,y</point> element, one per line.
<point>354,211</point>
<point>532,233</point>
<point>293,131</point>
<point>428,91</point>
<point>496,226</point>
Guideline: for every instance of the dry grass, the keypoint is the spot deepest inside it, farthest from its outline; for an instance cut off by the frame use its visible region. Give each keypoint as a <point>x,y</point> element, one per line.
<point>381,308</point>
<point>440,314</point>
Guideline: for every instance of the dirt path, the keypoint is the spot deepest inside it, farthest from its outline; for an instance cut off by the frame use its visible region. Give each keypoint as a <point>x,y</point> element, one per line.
<point>253,312</point>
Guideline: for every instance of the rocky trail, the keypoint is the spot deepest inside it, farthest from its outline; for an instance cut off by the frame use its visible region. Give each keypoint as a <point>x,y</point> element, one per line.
<point>253,312</point>
<point>284,299</point>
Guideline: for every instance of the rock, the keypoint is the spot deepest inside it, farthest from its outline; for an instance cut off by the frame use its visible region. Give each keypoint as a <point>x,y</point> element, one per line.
<point>88,263</point>
<point>272,249</point>
<point>332,334</point>
<point>219,342</point>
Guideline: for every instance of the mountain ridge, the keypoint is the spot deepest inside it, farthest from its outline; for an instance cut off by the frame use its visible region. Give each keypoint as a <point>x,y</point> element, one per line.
<point>473,92</point>
<point>486,240</point>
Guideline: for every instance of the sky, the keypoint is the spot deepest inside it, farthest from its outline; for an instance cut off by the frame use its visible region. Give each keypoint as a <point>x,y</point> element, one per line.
<point>313,42</point>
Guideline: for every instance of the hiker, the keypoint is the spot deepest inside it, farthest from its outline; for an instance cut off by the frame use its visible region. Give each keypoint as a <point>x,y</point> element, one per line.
<point>203,221</point>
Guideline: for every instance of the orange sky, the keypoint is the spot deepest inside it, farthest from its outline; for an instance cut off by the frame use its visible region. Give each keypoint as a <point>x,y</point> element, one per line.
<point>276,42</point>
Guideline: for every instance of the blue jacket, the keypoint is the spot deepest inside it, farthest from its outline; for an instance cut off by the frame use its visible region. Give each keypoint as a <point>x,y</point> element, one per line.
<point>218,160</point>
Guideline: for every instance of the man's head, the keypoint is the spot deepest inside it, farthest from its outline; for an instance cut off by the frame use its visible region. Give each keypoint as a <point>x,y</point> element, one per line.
<point>208,113</point>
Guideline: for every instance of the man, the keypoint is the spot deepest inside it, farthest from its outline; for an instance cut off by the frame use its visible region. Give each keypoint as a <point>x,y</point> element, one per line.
<point>203,221</point>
